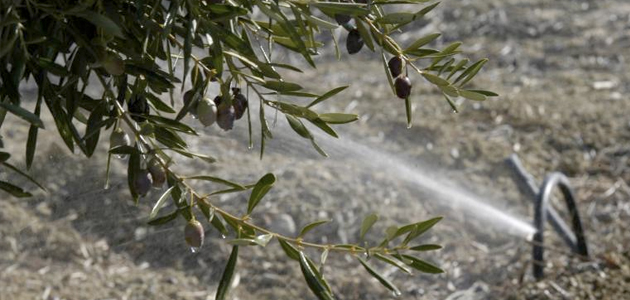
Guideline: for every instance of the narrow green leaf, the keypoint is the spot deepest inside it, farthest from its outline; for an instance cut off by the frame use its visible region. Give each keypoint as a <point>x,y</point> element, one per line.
<point>419,264</point>
<point>172,124</point>
<point>367,223</point>
<point>228,274</point>
<point>14,190</point>
<point>262,187</point>
<point>217,180</point>
<point>451,103</point>
<point>420,228</point>
<point>427,247</point>
<point>311,226</point>
<point>10,166</point>
<point>423,41</point>
<point>281,86</point>
<point>388,74</point>
<point>160,203</point>
<point>435,79</point>
<point>460,65</point>
<point>394,262</point>
<point>338,118</point>
<point>218,225</point>
<point>165,219</point>
<point>486,93</point>
<point>23,113</point>
<point>318,148</point>
<point>327,95</point>
<point>291,251</point>
<point>472,95</point>
<point>298,127</point>
<point>324,127</point>
<point>314,283</point>
<point>351,9</point>
<point>408,111</point>
<point>390,286</point>
<point>472,69</point>
<point>450,90</point>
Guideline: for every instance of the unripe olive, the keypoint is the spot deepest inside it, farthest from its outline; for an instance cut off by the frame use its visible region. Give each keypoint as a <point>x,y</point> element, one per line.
<point>207,112</point>
<point>403,86</point>
<point>395,65</point>
<point>142,182</point>
<point>194,234</point>
<point>158,175</point>
<point>113,64</point>
<point>354,42</point>
<point>192,109</point>
<point>225,118</point>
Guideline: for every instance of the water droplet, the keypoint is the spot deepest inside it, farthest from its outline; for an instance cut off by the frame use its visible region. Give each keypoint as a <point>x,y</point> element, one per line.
<point>194,116</point>
<point>195,249</point>
<point>106,187</point>
<point>396,293</point>
<point>120,156</point>
<point>223,236</point>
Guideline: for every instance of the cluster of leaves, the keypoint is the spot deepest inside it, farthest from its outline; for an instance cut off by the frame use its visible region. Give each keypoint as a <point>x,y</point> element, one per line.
<point>132,49</point>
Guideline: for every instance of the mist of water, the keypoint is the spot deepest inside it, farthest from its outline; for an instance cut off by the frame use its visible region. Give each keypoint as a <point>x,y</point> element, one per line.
<point>437,188</point>
<point>427,181</point>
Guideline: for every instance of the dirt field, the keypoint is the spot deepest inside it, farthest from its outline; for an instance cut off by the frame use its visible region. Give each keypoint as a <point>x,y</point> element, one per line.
<point>561,70</point>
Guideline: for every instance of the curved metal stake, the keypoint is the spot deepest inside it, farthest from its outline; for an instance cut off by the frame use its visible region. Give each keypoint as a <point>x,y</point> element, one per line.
<point>541,211</point>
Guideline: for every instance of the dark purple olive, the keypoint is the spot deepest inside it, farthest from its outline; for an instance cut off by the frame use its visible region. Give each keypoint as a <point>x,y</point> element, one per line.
<point>395,66</point>
<point>143,182</point>
<point>194,234</point>
<point>226,117</point>
<point>239,103</point>
<point>354,42</point>
<point>342,19</point>
<point>158,175</point>
<point>403,86</point>
<point>138,107</point>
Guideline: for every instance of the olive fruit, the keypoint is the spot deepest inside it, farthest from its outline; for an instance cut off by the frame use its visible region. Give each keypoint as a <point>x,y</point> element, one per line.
<point>113,64</point>
<point>225,117</point>
<point>119,138</point>
<point>192,109</point>
<point>403,86</point>
<point>354,42</point>
<point>342,19</point>
<point>194,234</point>
<point>207,112</point>
<point>158,175</point>
<point>142,182</point>
<point>139,107</point>
<point>395,66</point>
<point>239,103</point>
